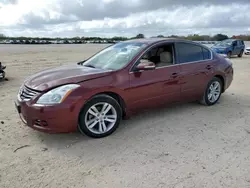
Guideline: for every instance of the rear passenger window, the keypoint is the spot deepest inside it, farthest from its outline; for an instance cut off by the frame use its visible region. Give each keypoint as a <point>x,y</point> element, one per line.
<point>189,52</point>
<point>206,54</point>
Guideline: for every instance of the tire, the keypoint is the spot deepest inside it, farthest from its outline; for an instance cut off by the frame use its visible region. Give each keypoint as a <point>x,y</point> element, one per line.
<point>205,99</point>
<point>2,75</point>
<point>241,53</point>
<point>229,54</point>
<point>103,126</point>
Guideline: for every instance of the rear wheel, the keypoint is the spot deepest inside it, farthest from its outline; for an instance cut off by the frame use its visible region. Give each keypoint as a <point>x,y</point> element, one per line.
<point>213,92</point>
<point>241,53</point>
<point>100,116</point>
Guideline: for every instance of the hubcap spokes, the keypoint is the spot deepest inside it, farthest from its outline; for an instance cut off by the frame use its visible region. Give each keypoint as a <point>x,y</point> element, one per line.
<point>214,91</point>
<point>100,118</point>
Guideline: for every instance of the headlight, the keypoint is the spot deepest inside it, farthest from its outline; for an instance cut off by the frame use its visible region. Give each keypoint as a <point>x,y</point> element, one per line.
<point>57,95</point>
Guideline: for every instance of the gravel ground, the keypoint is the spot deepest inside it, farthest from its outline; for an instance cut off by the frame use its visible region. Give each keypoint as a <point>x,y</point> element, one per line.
<point>188,145</point>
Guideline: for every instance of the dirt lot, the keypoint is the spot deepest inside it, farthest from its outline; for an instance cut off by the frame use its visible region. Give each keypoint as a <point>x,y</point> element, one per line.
<point>183,146</point>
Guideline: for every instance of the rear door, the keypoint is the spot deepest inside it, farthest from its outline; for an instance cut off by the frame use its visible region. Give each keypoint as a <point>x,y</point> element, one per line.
<point>196,66</point>
<point>238,47</point>
<point>242,45</point>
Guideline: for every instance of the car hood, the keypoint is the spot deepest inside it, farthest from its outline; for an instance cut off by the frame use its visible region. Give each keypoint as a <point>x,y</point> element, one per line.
<point>50,78</point>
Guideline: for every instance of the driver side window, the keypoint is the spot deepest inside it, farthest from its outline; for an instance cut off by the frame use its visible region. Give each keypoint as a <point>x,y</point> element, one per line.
<point>161,56</point>
<point>239,43</point>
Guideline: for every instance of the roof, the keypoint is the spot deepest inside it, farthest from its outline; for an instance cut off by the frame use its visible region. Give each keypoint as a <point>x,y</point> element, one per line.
<point>231,39</point>
<point>155,40</point>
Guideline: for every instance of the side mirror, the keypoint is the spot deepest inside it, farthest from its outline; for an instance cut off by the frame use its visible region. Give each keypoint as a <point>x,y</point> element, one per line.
<point>145,65</point>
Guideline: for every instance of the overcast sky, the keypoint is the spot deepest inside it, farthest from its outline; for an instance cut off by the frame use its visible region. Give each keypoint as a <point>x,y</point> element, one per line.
<point>123,17</point>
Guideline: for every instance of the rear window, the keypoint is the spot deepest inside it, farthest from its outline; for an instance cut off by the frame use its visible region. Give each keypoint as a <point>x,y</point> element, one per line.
<point>240,42</point>
<point>191,52</point>
<point>206,54</point>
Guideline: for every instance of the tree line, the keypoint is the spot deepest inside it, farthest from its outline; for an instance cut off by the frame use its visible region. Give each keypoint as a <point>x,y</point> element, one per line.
<point>194,37</point>
<point>217,37</point>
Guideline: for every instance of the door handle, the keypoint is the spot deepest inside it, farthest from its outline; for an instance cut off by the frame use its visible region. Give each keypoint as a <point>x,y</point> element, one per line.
<point>208,67</point>
<point>174,75</point>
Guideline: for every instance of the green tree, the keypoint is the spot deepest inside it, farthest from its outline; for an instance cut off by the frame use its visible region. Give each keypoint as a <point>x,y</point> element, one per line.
<point>220,37</point>
<point>139,36</point>
<point>2,36</point>
<point>160,36</point>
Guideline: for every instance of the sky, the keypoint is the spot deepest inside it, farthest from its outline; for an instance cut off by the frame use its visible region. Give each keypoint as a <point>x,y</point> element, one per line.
<point>108,18</point>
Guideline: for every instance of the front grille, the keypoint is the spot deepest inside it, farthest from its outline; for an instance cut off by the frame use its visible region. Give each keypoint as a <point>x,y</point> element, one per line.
<point>26,94</point>
<point>248,50</point>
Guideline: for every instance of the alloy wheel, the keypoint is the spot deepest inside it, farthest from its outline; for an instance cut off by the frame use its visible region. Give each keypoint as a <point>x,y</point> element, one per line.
<point>100,118</point>
<point>214,91</point>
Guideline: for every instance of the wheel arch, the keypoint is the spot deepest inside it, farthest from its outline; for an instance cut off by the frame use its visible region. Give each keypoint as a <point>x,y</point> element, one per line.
<point>222,80</point>
<point>114,95</point>
<point>118,98</point>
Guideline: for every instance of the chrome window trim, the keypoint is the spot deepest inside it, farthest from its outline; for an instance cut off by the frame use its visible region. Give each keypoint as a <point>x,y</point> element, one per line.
<point>174,59</point>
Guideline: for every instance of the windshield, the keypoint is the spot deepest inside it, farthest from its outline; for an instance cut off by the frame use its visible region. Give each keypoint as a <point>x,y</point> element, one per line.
<point>116,56</point>
<point>225,43</point>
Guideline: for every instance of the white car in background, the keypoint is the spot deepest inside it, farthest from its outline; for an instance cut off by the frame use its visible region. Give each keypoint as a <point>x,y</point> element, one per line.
<point>247,51</point>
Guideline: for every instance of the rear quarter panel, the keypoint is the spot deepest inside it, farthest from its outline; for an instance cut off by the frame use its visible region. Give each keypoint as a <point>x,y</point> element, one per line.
<point>224,69</point>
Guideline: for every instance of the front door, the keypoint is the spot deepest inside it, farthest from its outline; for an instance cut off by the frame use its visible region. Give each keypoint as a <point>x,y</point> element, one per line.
<point>151,88</point>
<point>154,87</point>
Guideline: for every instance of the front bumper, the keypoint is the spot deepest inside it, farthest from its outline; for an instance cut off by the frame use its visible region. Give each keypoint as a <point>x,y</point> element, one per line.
<point>247,52</point>
<point>50,119</point>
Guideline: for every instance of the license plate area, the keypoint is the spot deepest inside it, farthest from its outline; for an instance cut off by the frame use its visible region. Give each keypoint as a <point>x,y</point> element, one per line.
<point>18,108</point>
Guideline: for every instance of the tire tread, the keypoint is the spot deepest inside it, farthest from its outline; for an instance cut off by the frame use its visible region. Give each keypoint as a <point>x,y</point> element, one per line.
<point>204,100</point>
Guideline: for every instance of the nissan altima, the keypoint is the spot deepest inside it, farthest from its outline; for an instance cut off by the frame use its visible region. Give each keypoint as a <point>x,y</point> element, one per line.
<point>94,95</point>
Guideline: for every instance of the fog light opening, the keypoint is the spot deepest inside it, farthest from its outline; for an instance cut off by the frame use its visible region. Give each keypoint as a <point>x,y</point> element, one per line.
<point>41,123</point>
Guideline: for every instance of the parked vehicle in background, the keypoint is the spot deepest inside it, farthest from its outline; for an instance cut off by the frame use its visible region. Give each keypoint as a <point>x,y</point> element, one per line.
<point>247,51</point>
<point>230,47</point>
<point>2,72</point>
<point>122,79</point>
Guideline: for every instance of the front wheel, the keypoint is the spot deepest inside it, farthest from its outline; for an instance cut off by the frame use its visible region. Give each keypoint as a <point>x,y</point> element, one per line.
<point>100,116</point>
<point>229,54</point>
<point>213,92</point>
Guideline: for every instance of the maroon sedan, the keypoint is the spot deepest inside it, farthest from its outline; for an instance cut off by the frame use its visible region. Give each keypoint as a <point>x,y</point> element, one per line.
<point>93,96</point>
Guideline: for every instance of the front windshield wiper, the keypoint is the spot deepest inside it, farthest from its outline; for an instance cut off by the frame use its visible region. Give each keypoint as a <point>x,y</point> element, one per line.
<point>92,66</point>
